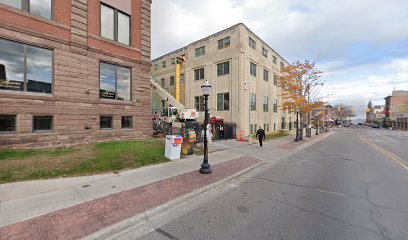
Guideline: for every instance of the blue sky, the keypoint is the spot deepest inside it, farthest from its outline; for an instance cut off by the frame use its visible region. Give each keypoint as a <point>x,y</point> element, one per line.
<point>361,46</point>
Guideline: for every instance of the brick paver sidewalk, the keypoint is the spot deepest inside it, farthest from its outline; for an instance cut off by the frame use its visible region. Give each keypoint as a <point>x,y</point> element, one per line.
<point>87,218</point>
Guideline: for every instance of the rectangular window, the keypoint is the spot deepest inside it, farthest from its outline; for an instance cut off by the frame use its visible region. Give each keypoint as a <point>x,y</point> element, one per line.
<point>114,82</point>
<point>182,78</point>
<point>115,25</point>
<point>163,82</point>
<point>252,43</point>
<point>127,123</point>
<point>42,123</point>
<point>223,43</point>
<point>251,127</point>
<point>200,51</point>
<point>264,52</point>
<point>199,103</point>
<point>105,122</point>
<point>265,75</point>
<point>171,81</point>
<point>41,8</point>
<point>7,123</point>
<point>265,104</point>
<point>275,80</point>
<point>222,68</point>
<point>156,66</point>
<point>275,105</point>
<point>252,69</point>
<point>173,61</point>
<point>164,64</point>
<point>274,59</point>
<point>253,102</point>
<point>281,65</point>
<point>199,74</point>
<point>25,68</point>
<point>223,102</point>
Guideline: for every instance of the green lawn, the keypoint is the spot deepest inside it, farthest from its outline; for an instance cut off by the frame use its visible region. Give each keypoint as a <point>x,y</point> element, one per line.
<point>269,136</point>
<point>19,165</point>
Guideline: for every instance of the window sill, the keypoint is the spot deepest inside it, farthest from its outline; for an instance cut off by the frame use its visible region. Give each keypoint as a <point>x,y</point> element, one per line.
<point>7,133</point>
<point>43,131</point>
<point>115,101</point>
<point>113,42</point>
<point>106,129</point>
<point>25,93</point>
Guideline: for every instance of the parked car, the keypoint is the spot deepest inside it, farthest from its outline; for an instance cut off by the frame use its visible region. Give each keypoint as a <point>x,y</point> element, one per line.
<point>347,124</point>
<point>360,123</point>
<point>375,125</point>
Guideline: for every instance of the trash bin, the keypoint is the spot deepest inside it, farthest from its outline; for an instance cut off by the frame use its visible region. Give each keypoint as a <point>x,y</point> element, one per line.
<point>173,147</point>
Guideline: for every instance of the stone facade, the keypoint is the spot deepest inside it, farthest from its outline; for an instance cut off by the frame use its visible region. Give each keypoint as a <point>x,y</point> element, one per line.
<point>396,108</point>
<point>73,35</point>
<point>238,83</point>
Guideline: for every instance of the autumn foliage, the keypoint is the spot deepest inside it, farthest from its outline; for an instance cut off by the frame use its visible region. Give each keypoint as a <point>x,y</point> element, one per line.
<point>300,84</point>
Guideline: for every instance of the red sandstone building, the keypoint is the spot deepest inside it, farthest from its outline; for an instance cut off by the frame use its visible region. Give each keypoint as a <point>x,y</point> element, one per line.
<point>74,71</point>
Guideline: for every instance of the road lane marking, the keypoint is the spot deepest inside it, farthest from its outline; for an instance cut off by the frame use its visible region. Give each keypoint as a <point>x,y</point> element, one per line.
<point>386,153</point>
<point>388,138</point>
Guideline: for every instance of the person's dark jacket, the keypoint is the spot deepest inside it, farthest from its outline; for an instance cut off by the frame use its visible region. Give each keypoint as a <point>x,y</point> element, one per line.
<point>260,134</point>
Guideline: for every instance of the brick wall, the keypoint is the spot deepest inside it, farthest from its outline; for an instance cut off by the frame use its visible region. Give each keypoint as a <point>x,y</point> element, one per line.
<point>77,50</point>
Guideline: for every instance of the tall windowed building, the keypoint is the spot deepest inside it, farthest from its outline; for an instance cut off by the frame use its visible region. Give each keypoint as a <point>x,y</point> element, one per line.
<point>74,71</point>
<point>242,70</point>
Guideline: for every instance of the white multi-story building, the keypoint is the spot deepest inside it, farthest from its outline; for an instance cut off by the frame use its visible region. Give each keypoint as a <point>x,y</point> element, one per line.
<point>242,70</point>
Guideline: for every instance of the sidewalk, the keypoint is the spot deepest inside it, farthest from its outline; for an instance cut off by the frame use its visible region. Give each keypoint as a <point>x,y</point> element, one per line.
<point>43,209</point>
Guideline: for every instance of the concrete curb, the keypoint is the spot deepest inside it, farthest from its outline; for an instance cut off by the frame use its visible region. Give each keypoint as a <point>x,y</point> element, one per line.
<point>144,222</point>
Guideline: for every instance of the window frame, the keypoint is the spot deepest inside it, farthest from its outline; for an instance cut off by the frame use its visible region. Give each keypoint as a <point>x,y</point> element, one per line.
<point>163,82</point>
<point>199,75</point>
<point>116,82</point>
<point>281,65</point>
<point>275,105</point>
<point>25,81</point>
<point>200,103</point>
<point>264,52</point>
<point>115,24</point>
<point>25,6</point>
<point>200,51</point>
<point>252,69</point>
<point>252,104</point>
<point>274,59</point>
<point>43,130</point>
<point>164,64</point>
<point>266,104</point>
<point>131,122</point>
<point>251,43</point>
<point>170,84</point>
<point>275,79</point>
<point>224,43</point>
<point>222,65</point>
<point>111,122</point>
<point>223,102</point>
<point>267,75</point>
<point>14,116</point>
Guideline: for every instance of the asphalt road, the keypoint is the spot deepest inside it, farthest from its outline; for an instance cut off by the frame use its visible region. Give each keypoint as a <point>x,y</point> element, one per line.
<point>348,186</point>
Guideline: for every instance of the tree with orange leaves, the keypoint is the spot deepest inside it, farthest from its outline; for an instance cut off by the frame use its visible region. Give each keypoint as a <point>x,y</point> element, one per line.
<point>301,85</point>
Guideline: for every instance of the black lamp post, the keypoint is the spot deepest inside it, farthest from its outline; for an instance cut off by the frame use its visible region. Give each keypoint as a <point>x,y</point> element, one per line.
<point>317,123</point>
<point>297,125</point>
<point>205,166</point>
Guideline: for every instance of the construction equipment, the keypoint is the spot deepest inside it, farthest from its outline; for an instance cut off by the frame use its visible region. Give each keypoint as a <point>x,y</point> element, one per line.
<point>176,112</point>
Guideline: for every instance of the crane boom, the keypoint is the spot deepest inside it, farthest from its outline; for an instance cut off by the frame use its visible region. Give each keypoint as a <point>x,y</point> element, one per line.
<point>165,95</point>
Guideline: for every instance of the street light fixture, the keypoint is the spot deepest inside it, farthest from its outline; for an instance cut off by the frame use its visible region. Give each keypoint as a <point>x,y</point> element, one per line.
<point>205,166</point>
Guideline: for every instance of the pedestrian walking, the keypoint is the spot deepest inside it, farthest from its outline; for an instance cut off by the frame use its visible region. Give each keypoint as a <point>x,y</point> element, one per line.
<point>260,134</point>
